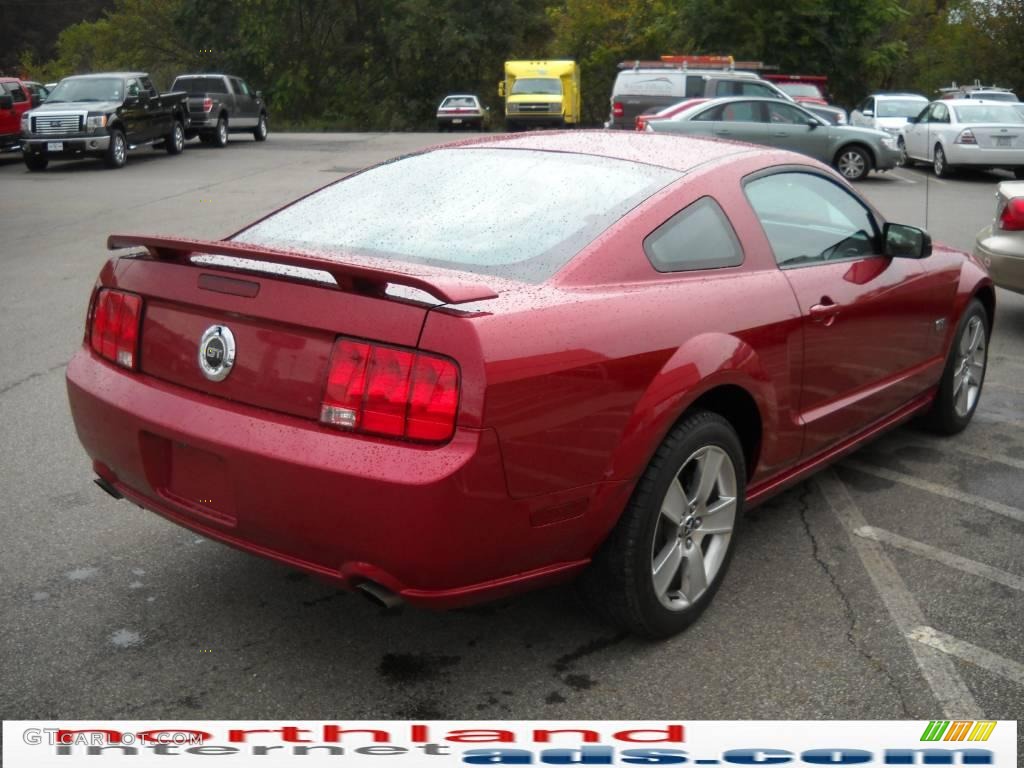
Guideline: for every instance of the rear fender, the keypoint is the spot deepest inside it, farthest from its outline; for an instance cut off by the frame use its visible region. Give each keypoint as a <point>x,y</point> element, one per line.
<point>703,363</point>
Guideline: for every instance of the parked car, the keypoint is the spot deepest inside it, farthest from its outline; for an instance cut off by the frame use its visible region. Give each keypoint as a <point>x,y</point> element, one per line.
<point>462,111</point>
<point>1000,245</point>
<point>15,101</point>
<point>642,86</point>
<point>809,92</point>
<point>887,111</point>
<point>854,152</point>
<point>38,90</point>
<point>502,382</point>
<point>103,115</point>
<point>965,133</point>
<point>221,105</point>
<point>666,113</point>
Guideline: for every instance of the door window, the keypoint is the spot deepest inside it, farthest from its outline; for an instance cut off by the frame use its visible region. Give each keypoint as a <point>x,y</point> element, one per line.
<point>809,219</point>
<point>786,114</point>
<point>133,88</point>
<point>734,112</point>
<point>698,237</point>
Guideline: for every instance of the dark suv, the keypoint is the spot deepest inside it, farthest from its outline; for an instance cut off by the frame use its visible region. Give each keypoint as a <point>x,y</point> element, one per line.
<point>639,89</point>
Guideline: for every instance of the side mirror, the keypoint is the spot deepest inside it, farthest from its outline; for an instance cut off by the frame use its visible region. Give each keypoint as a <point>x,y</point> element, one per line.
<point>501,89</point>
<point>911,120</point>
<point>905,242</point>
<point>6,101</point>
<point>131,101</point>
<point>36,100</point>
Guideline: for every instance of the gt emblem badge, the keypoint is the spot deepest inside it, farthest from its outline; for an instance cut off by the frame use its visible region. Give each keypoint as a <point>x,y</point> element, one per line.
<point>217,352</point>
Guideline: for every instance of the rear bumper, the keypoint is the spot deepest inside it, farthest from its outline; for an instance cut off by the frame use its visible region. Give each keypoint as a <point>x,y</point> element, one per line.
<point>982,157</point>
<point>1003,255</point>
<point>434,525</point>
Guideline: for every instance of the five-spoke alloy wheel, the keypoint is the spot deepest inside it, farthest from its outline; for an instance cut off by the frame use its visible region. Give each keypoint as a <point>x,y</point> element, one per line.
<point>964,374</point>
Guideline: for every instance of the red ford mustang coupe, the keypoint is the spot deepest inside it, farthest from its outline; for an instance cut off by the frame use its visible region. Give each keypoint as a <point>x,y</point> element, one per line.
<point>508,362</point>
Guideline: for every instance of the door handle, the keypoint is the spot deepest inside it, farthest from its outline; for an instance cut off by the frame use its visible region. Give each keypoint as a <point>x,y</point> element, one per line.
<point>722,132</point>
<point>824,312</point>
<point>780,133</point>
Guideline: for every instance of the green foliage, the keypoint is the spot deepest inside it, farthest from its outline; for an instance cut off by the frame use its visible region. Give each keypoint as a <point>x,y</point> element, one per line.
<point>385,64</point>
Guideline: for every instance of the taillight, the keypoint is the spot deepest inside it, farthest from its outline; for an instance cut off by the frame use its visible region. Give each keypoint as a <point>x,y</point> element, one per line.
<point>966,137</point>
<point>391,391</point>
<point>639,123</point>
<point>207,104</point>
<point>1012,217</point>
<point>618,110</point>
<point>114,333</point>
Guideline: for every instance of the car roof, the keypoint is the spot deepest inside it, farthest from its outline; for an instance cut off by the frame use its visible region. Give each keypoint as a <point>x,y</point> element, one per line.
<point>676,152</point>
<point>681,71</point>
<point>204,74</point>
<point>974,102</point>
<point>897,95</point>
<point>461,96</point>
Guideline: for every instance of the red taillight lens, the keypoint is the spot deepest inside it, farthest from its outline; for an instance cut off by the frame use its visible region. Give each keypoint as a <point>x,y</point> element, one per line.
<point>207,104</point>
<point>966,137</point>
<point>114,334</point>
<point>391,391</point>
<point>640,122</point>
<point>1012,217</point>
<point>617,109</point>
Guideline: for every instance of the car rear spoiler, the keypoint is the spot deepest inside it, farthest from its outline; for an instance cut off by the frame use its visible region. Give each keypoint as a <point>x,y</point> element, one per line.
<point>180,249</point>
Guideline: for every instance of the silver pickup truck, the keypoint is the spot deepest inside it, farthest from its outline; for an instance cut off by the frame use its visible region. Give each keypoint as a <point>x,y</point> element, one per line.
<point>221,105</point>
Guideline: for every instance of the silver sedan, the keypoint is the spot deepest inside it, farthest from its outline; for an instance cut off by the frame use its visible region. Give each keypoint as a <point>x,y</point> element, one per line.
<point>961,133</point>
<point>854,152</point>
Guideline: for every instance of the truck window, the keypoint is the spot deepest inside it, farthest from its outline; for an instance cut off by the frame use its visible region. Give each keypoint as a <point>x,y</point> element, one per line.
<point>240,86</point>
<point>133,88</point>
<point>547,86</point>
<point>16,91</point>
<point>200,85</point>
<point>147,86</point>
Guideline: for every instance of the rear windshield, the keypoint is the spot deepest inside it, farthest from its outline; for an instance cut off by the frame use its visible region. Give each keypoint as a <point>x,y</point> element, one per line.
<point>988,113</point>
<point>520,214</point>
<point>200,85</point>
<point>652,84</point>
<point>459,101</point>
<point>994,96</point>
<point>807,90</point>
<point>900,107</point>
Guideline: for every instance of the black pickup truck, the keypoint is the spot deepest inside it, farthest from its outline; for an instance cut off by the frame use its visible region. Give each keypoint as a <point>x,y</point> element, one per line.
<point>103,115</point>
<point>221,105</point>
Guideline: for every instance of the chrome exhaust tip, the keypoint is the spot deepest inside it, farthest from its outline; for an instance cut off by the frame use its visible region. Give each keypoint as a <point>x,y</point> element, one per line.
<point>380,596</point>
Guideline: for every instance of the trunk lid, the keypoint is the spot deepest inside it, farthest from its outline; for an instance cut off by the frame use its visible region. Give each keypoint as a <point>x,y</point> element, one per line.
<point>283,311</point>
<point>998,136</point>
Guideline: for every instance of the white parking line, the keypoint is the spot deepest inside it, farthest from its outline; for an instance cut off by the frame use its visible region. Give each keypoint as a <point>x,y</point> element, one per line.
<point>949,447</point>
<point>926,176</point>
<point>905,179</point>
<point>972,567</point>
<point>979,657</point>
<point>939,490</point>
<point>940,673</point>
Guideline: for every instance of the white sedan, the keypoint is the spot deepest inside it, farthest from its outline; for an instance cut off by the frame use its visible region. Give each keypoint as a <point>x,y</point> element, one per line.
<point>972,133</point>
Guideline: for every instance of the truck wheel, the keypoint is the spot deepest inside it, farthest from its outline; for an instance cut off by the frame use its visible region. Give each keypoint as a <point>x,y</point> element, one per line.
<point>36,162</point>
<point>260,131</point>
<point>220,134</point>
<point>665,559</point>
<point>117,151</point>
<point>175,141</point>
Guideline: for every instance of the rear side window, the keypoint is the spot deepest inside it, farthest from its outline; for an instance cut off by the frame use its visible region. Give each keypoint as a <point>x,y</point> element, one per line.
<point>16,91</point>
<point>698,237</point>
<point>521,214</point>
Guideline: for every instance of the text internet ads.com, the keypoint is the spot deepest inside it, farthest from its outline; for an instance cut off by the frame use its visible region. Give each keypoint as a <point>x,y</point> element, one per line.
<point>538,743</point>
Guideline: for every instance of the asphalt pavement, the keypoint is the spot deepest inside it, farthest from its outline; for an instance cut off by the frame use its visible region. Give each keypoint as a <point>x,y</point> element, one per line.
<point>890,586</point>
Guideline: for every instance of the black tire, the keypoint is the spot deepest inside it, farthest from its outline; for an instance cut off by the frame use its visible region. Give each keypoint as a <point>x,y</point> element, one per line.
<point>219,137</point>
<point>852,162</point>
<point>939,164</point>
<point>945,417</point>
<point>36,162</point>
<point>905,161</point>
<point>117,151</point>
<point>174,142</point>
<point>261,130</point>
<point>620,583</point>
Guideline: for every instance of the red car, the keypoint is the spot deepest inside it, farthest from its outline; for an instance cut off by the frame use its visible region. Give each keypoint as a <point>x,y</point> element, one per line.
<point>508,362</point>
<point>15,100</point>
<point>641,120</point>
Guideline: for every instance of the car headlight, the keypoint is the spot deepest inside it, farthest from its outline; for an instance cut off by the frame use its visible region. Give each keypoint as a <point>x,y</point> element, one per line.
<point>513,107</point>
<point>890,142</point>
<point>26,123</point>
<point>889,129</point>
<point>94,122</point>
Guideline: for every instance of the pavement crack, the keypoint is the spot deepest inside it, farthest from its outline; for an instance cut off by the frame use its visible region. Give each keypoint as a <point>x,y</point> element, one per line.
<point>25,379</point>
<point>851,616</point>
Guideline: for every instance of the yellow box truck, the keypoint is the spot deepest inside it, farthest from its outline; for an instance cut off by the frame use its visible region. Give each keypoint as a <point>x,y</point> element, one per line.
<point>541,93</point>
